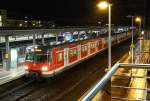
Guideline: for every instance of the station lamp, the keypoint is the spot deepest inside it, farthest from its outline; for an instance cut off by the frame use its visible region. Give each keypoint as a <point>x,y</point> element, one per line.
<point>106,5</point>
<point>138,19</point>
<point>103,5</point>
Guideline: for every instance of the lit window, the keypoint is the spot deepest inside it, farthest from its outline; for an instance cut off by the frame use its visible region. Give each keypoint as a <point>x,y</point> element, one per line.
<point>71,52</point>
<point>94,45</point>
<point>82,48</point>
<point>60,57</point>
<point>85,48</point>
<point>74,52</point>
<point>91,45</point>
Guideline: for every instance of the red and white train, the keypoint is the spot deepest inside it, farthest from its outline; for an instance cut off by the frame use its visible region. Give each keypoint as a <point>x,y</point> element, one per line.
<point>50,60</point>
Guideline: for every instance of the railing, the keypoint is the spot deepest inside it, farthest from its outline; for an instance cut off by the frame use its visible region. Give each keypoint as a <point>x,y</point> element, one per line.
<point>131,85</point>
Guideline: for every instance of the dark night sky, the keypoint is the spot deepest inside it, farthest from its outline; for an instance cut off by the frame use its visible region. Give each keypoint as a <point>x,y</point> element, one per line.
<point>74,11</point>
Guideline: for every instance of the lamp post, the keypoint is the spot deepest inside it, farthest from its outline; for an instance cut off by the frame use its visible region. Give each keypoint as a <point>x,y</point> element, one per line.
<point>109,38</point>
<point>138,19</point>
<point>105,5</point>
<point>132,42</point>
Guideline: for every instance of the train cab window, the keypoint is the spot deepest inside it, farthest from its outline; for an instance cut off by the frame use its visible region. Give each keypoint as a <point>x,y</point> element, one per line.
<point>60,57</point>
<point>42,58</point>
<point>29,56</point>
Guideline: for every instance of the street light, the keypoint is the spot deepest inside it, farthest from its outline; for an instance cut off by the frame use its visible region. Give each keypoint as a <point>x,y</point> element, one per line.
<point>104,5</point>
<point>139,20</point>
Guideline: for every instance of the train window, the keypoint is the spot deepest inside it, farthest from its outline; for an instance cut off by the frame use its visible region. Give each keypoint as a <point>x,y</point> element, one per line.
<point>94,45</point>
<point>60,57</point>
<point>100,42</point>
<point>85,48</point>
<point>74,52</point>
<point>82,49</point>
<point>71,52</point>
<point>91,45</point>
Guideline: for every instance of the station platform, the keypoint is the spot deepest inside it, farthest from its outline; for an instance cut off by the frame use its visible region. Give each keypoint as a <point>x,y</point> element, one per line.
<point>10,75</point>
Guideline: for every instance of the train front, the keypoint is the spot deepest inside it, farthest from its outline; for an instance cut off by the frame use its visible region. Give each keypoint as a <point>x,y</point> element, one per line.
<point>38,61</point>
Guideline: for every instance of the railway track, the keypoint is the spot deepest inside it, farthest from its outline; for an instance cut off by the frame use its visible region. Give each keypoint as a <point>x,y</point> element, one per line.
<point>19,92</point>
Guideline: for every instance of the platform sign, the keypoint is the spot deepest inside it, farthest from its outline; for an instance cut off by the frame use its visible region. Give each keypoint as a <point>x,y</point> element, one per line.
<point>5,56</point>
<point>13,57</point>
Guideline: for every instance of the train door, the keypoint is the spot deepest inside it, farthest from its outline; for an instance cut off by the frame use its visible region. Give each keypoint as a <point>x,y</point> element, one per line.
<point>59,62</point>
<point>92,47</point>
<point>73,53</point>
<point>66,56</point>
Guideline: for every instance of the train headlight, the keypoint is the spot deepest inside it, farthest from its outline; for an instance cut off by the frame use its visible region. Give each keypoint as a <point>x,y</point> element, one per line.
<point>44,68</point>
<point>26,67</point>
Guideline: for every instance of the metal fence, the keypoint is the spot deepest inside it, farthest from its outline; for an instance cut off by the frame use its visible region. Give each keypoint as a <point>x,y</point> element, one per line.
<point>123,82</point>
